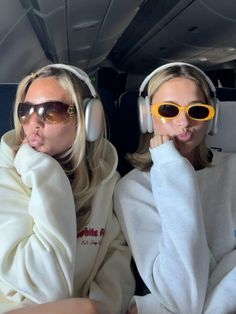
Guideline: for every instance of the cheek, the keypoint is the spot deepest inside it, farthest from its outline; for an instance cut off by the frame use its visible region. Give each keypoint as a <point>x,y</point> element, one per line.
<point>61,139</point>
<point>66,135</point>
<point>202,127</point>
<point>201,130</point>
<point>24,129</point>
<point>163,126</point>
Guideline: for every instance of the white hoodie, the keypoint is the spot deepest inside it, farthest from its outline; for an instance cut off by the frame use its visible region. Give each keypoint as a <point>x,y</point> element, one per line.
<point>181,227</point>
<point>42,258</point>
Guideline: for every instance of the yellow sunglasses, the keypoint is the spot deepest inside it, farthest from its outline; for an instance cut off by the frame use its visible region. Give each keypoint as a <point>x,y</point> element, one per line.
<point>199,112</point>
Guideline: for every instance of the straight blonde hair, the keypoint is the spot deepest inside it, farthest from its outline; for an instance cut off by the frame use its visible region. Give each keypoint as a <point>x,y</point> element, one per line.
<point>82,160</point>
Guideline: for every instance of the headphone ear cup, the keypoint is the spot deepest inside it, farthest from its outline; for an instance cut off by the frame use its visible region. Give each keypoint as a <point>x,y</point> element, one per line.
<point>148,115</point>
<point>144,113</point>
<point>93,117</point>
<point>141,115</point>
<point>213,124</point>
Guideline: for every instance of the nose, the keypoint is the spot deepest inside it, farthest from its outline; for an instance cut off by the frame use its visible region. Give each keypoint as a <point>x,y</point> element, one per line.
<point>183,119</point>
<point>35,120</point>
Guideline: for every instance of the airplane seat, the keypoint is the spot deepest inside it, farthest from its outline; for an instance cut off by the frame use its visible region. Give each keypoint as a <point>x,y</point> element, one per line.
<point>224,139</point>
<point>128,128</point>
<point>111,113</point>
<point>7,96</point>
<point>226,93</point>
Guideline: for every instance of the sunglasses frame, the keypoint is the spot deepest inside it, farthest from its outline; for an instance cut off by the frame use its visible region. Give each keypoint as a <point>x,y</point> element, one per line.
<point>155,110</point>
<point>71,110</point>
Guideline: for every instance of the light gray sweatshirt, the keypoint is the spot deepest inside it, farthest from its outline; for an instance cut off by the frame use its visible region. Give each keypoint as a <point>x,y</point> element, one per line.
<point>181,227</point>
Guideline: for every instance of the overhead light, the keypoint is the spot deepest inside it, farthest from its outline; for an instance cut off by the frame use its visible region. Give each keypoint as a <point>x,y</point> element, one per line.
<point>203,59</point>
<point>230,49</point>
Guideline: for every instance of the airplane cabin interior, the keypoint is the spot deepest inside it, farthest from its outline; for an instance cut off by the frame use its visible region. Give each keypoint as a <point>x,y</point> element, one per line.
<point>118,43</point>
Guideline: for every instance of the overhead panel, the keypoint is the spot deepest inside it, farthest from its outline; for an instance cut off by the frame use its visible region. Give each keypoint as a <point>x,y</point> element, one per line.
<point>84,22</point>
<point>200,18</point>
<point>117,18</point>
<point>50,24</point>
<point>198,32</point>
<point>18,43</point>
<point>92,33</point>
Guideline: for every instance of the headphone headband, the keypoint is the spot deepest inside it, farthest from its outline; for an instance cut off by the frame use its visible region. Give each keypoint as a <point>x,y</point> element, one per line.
<point>168,65</point>
<point>78,73</point>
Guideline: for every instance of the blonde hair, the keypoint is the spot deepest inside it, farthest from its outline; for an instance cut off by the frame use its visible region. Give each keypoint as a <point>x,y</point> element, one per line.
<point>81,161</point>
<point>141,159</point>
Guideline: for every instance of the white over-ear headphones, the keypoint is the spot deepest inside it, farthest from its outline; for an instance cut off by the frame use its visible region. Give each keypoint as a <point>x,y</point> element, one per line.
<point>93,108</point>
<point>145,118</point>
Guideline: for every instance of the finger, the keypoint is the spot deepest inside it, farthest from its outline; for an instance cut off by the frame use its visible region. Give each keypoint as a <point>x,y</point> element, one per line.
<point>156,140</point>
<point>159,140</point>
<point>166,138</point>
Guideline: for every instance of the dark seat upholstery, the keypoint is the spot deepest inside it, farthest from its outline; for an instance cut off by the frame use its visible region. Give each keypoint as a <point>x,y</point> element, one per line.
<point>111,114</point>
<point>7,97</point>
<point>226,93</point>
<point>128,128</point>
<point>224,139</point>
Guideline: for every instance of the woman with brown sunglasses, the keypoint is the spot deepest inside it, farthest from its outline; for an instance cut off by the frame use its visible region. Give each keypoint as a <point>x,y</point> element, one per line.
<point>60,239</point>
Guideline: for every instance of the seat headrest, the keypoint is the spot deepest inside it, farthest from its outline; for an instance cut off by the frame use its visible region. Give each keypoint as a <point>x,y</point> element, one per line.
<point>225,138</point>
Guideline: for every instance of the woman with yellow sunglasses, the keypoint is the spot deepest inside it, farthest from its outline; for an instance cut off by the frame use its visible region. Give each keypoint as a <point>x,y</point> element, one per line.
<point>177,208</point>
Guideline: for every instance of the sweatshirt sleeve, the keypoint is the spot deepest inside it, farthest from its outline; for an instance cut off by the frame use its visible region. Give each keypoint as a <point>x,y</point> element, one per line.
<point>37,229</point>
<point>164,226</point>
<point>221,286</point>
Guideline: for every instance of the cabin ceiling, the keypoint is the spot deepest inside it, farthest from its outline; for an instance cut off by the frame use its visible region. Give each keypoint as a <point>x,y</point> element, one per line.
<point>202,32</point>
<point>132,36</point>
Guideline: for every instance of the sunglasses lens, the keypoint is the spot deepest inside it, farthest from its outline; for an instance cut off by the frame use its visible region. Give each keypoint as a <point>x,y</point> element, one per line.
<point>168,111</point>
<point>55,112</point>
<point>198,112</point>
<point>23,112</point>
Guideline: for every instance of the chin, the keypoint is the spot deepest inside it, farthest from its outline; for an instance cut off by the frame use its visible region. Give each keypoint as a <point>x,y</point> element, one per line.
<point>185,148</point>
<point>43,150</point>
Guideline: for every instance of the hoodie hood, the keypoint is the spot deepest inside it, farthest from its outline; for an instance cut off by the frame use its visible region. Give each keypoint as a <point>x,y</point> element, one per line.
<point>6,149</point>
<point>109,163</point>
